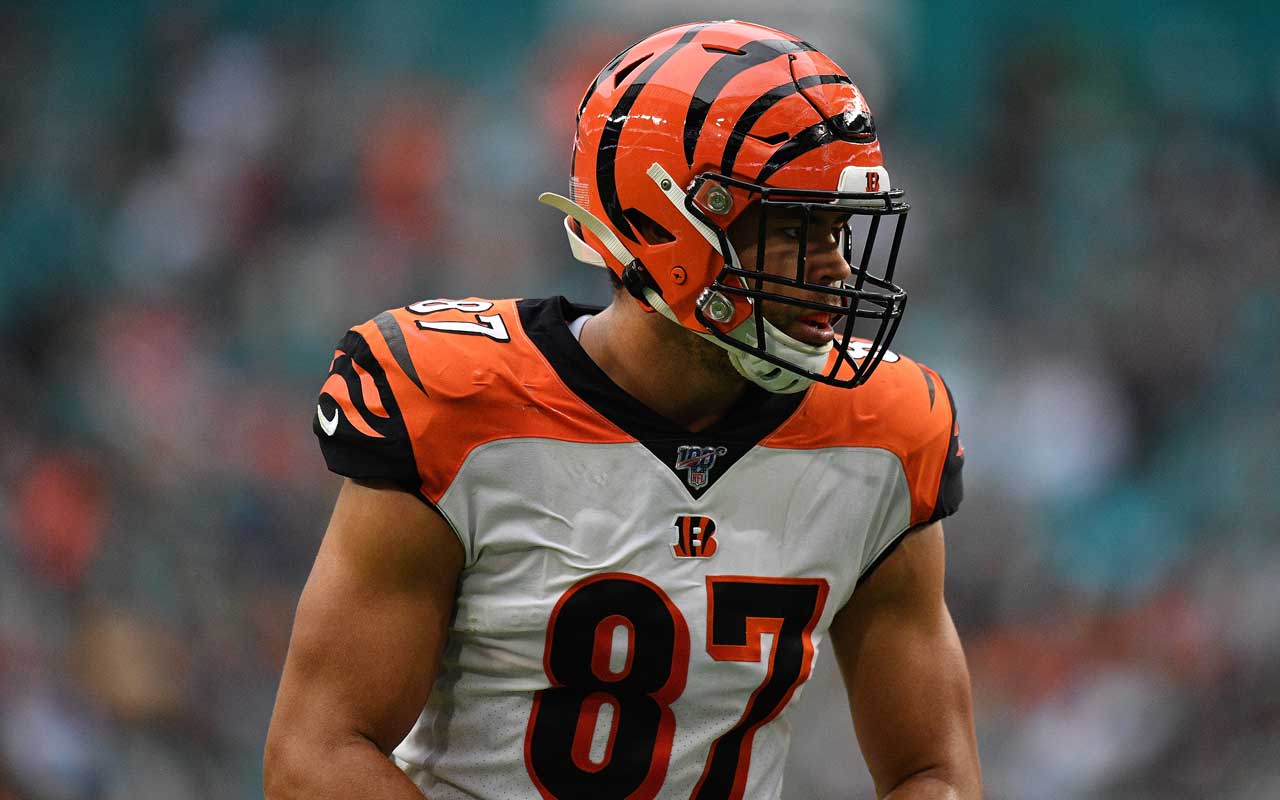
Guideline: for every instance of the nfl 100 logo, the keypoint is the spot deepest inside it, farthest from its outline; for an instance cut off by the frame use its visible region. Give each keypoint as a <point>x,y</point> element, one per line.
<point>698,461</point>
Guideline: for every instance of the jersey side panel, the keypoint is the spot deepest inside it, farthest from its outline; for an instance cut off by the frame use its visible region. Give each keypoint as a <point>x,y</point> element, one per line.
<point>950,471</point>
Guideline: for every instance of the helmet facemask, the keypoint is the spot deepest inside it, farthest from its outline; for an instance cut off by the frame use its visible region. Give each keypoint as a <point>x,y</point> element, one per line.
<point>759,349</point>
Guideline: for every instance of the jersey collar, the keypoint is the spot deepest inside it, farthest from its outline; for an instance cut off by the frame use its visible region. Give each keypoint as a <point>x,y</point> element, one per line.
<point>714,450</point>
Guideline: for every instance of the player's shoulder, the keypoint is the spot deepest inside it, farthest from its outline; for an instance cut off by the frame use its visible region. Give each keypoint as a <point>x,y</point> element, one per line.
<point>433,351</point>
<point>480,330</point>
<point>431,357</point>
<point>904,406</point>
<point>413,390</point>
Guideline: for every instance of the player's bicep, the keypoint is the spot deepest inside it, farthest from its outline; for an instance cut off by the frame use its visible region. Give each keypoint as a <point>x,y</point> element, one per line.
<point>372,621</point>
<point>904,669</point>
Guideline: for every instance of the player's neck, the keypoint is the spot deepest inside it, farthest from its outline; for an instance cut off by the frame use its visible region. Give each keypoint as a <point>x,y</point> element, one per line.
<point>676,374</point>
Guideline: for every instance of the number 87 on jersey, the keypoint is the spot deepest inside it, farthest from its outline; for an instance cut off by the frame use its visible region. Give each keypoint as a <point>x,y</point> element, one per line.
<point>605,728</point>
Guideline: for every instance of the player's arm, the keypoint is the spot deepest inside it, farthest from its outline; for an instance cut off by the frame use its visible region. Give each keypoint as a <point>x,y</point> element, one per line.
<point>905,673</point>
<point>366,644</point>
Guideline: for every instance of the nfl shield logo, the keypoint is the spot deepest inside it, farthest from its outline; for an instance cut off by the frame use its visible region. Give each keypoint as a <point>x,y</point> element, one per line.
<point>698,461</point>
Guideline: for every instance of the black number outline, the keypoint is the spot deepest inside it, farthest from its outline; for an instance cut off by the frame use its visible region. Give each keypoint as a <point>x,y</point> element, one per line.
<point>490,326</point>
<point>736,635</point>
<point>558,778</point>
<point>787,608</point>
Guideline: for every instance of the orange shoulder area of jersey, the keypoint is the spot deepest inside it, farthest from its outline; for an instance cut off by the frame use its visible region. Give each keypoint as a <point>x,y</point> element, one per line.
<point>464,373</point>
<point>905,408</point>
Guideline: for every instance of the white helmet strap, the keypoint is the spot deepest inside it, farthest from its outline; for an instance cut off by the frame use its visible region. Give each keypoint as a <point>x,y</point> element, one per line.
<point>668,187</point>
<point>581,250</point>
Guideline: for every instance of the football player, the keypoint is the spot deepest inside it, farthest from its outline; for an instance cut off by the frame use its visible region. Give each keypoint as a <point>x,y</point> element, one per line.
<point>586,553</point>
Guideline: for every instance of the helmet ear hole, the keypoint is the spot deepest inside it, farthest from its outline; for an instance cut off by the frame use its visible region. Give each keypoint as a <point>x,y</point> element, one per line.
<point>647,228</point>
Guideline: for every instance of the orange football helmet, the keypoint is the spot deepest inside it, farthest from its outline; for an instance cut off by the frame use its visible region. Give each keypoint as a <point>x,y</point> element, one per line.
<point>682,132</point>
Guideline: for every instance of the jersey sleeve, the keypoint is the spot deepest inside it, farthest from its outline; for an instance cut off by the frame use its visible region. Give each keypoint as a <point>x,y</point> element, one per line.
<point>932,457</point>
<point>359,421</point>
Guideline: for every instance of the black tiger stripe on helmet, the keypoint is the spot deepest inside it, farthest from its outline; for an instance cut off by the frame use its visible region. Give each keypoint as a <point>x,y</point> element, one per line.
<point>730,64</point>
<point>606,182</point>
<point>725,68</point>
<point>762,104</point>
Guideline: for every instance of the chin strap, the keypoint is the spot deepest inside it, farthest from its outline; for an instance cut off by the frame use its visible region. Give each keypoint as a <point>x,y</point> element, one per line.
<point>770,377</point>
<point>777,379</point>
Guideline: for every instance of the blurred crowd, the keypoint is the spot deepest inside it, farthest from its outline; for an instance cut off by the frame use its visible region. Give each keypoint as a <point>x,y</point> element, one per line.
<point>196,201</point>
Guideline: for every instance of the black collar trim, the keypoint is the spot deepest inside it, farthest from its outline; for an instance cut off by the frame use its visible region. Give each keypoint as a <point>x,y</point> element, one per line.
<point>697,458</point>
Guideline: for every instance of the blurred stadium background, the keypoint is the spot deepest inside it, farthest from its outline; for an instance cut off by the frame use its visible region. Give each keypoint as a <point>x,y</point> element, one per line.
<point>197,199</point>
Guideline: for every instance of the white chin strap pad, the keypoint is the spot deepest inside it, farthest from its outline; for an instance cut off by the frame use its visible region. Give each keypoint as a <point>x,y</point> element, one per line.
<point>755,369</point>
<point>812,358</point>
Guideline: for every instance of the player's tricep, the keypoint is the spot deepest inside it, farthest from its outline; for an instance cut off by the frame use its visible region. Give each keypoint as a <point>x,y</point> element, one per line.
<point>904,669</point>
<point>372,619</point>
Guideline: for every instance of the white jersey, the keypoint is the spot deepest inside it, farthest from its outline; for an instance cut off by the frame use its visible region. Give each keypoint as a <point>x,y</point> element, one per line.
<point>638,604</point>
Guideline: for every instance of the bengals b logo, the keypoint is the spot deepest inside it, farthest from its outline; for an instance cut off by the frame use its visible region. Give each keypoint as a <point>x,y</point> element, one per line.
<point>695,537</point>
